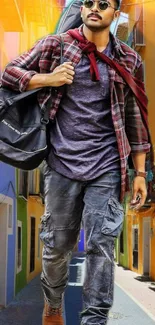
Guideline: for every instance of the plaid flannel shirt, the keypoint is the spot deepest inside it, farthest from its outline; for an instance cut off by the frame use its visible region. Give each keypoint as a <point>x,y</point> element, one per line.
<point>44,57</point>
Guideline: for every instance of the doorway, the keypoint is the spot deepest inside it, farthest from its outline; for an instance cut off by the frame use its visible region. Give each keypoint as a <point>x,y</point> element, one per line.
<point>3,253</point>
<point>32,244</point>
<point>146,246</point>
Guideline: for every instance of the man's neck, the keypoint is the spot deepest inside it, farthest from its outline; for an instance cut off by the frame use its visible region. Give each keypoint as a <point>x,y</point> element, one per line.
<point>100,38</point>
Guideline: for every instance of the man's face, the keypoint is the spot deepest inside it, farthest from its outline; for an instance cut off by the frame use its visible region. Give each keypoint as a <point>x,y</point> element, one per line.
<point>96,19</point>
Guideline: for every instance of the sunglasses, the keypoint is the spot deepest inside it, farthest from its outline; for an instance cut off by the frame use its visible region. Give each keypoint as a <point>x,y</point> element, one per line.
<point>102,4</point>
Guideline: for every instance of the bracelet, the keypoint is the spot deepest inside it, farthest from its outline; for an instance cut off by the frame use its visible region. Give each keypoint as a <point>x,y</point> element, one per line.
<point>141,174</point>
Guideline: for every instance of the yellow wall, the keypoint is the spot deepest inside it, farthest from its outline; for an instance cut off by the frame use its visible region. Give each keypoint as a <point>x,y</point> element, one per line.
<point>35,209</point>
<point>29,21</point>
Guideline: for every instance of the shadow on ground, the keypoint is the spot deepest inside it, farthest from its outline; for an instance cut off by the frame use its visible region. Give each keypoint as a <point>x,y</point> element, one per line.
<point>26,309</point>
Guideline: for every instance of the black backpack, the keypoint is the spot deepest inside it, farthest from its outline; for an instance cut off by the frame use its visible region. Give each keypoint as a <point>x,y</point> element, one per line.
<point>70,18</point>
<point>23,127</point>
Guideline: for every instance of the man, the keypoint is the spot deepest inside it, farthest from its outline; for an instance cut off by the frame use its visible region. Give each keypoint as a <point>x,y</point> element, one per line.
<point>95,125</point>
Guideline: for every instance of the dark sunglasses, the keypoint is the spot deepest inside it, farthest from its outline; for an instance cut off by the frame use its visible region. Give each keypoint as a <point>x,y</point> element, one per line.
<point>103,5</point>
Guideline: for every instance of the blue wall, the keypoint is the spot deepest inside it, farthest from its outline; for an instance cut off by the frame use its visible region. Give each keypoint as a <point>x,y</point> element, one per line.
<point>7,188</point>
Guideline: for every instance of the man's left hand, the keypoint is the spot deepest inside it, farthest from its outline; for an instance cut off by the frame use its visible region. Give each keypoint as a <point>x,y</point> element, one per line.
<point>139,190</point>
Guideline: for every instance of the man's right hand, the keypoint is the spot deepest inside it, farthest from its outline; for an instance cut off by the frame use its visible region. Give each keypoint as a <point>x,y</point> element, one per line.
<point>63,74</point>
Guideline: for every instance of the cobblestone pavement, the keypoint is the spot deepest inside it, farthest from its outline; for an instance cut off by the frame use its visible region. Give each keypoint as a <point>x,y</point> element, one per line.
<point>27,307</point>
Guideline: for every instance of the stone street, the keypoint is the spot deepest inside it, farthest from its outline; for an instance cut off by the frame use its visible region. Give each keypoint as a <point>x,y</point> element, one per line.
<point>26,309</point>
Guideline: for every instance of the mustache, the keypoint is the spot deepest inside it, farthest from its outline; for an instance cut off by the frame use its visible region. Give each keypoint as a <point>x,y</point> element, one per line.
<point>94,15</point>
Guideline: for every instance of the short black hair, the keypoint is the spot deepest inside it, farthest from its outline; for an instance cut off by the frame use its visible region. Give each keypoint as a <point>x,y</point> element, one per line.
<point>117,3</point>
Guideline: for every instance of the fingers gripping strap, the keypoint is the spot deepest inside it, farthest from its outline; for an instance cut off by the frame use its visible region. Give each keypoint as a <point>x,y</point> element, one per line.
<point>45,113</point>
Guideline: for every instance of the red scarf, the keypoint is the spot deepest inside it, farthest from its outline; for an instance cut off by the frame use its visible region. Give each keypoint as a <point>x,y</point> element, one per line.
<point>134,83</point>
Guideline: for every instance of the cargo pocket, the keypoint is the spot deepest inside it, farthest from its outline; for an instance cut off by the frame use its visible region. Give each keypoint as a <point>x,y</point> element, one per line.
<point>46,231</point>
<point>113,220</point>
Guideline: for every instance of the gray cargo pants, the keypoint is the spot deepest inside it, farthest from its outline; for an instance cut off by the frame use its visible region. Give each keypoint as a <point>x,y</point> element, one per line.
<point>96,203</point>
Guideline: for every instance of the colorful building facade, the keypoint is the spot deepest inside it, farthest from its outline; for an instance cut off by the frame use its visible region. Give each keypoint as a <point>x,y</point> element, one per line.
<point>22,23</point>
<point>141,241</point>
<point>136,245</point>
<point>7,233</point>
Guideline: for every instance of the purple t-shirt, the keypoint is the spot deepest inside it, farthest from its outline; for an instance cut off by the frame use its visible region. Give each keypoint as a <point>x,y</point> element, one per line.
<point>83,140</point>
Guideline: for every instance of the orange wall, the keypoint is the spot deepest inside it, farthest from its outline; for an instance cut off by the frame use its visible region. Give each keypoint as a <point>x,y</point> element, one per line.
<point>22,23</point>
<point>35,209</point>
<point>148,56</point>
<point>147,52</point>
<point>136,218</point>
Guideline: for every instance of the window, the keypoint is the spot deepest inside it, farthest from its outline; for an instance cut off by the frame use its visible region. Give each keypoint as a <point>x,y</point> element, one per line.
<point>10,219</point>
<point>139,26</point>
<point>23,183</point>
<point>135,247</point>
<point>19,246</point>
<point>135,241</point>
<point>32,244</point>
<point>39,241</point>
<point>144,71</point>
<point>32,182</point>
<point>42,185</point>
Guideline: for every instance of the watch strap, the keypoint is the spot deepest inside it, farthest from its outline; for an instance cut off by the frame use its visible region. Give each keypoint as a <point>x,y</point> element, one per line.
<point>141,174</point>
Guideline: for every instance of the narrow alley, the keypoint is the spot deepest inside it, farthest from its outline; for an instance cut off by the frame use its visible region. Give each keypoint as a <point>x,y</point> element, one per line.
<point>27,307</point>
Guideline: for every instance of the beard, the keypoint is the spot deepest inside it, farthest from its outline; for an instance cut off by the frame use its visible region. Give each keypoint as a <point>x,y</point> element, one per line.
<point>95,29</point>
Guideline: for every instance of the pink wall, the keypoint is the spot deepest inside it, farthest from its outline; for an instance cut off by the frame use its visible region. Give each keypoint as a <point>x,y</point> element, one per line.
<point>11,40</point>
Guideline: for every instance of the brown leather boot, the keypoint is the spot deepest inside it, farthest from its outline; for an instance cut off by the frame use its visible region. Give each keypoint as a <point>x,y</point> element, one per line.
<point>52,316</point>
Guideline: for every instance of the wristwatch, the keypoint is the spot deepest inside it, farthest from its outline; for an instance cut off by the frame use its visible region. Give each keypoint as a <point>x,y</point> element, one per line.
<point>141,174</point>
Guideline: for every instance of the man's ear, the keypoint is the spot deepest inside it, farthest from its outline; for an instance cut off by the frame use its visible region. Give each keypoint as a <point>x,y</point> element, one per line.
<point>81,9</point>
<point>116,14</point>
